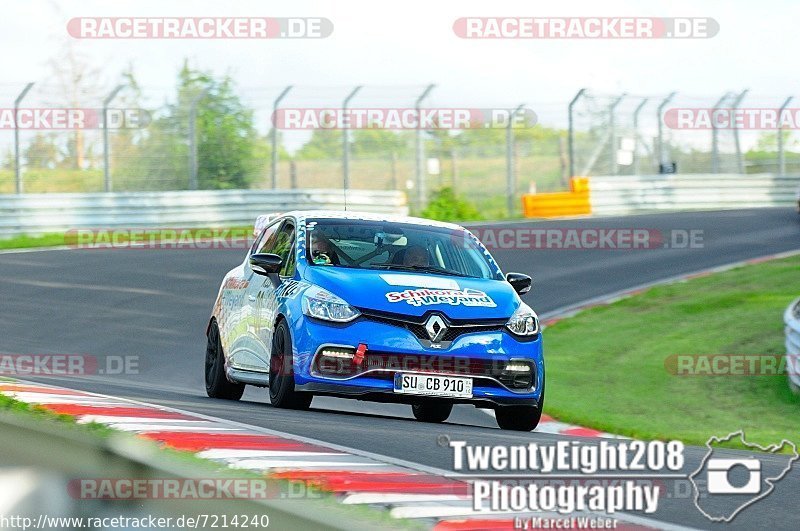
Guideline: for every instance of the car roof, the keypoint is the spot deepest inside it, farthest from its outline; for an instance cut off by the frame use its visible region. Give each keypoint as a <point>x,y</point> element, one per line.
<point>369,216</point>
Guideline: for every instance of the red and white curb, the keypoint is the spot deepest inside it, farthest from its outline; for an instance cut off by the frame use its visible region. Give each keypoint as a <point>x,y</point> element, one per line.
<point>404,489</point>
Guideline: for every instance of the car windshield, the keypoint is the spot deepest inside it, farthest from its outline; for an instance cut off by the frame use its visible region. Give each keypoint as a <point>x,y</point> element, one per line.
<point>381,245</point>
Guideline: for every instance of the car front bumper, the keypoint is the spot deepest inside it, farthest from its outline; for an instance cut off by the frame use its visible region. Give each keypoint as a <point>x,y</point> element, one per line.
<point>478,355</point>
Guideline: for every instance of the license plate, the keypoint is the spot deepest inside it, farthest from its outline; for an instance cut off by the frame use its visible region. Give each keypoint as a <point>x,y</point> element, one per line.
<point>432,385</point>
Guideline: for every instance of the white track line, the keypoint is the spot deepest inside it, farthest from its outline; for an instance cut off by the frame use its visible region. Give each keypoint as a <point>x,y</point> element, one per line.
<point>224,453</point>
<point>394,498</point>
<point>146,427</point>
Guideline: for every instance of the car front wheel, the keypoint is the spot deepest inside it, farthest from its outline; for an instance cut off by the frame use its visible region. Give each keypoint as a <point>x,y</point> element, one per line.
<point>519,418</point>
<point>281,373</point>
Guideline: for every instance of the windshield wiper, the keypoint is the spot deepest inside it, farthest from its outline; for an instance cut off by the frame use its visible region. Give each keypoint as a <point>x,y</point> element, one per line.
<point>426,269</point>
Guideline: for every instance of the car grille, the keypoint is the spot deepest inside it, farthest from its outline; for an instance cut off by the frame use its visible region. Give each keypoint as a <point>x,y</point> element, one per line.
<point>417,325</point>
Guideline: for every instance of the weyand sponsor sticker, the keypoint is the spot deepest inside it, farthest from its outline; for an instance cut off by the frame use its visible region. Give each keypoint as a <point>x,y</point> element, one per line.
<point>453,297</point>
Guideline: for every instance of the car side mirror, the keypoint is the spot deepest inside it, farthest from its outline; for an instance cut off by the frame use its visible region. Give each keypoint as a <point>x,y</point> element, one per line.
<point>521,283</point>
<point>265,263</point>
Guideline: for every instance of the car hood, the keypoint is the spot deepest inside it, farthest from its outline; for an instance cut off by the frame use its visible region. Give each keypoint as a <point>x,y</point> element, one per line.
<point>415,294</point>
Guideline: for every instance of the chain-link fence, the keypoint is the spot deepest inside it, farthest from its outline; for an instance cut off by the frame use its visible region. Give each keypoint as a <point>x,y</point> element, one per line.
<point>209,133</point>
<point>733,132</point>
<point>159,138</point>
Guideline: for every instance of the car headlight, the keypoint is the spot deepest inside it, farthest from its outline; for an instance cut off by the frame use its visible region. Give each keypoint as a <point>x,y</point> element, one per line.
<point>524,322</point>
<point>322,304</point>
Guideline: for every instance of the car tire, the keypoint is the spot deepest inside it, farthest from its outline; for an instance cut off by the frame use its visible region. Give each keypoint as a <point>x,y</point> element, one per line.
<point>519,418</point>
<point>432,411</point>
<point>217,383</point>
<point>282,393</point>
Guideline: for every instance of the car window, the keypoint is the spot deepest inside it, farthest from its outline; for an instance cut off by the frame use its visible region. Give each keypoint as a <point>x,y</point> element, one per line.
<point>267,238</point>
<point>289,265</point>
<point>282,243</point>
<point>385,245</point>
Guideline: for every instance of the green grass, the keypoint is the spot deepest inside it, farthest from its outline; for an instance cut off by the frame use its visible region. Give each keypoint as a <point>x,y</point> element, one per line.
<point>606,366</point>
<point>37,180</point>
<point>481,180</point>
<point>24,241</point>
<point>55,239</point>
<point>11,405</point>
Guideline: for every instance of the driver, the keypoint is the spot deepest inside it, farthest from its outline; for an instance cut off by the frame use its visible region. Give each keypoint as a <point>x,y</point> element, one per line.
<point>416,255</point>
<point>322,252</point>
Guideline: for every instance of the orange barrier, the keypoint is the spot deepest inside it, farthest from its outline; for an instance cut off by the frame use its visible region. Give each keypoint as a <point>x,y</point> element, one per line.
<point>557,204</point>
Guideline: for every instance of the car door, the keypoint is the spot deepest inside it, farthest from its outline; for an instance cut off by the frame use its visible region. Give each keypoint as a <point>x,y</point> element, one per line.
<point>269,287</point>
<point>246,350</point>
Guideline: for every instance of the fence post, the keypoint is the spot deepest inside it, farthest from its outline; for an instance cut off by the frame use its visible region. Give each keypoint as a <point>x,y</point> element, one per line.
<point>571,133</point>
<point>454,165</point>
<point>193,139</point>
<point>661,106</point>
<point>274,136</point>
<point>293,175</point>
<point>419,151</point>
<point>715,135</point>
<point>106,152</point>
<point>394,171</point>
<point>781,154</point>
<point>346,139</point>
<point>511,185</point>
<point>613,133</point>
<point>739,157</point>
<point>17,173</point>
<point>636,135</point>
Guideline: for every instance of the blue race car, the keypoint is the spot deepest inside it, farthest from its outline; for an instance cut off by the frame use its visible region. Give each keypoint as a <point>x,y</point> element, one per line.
<point>376,308</point>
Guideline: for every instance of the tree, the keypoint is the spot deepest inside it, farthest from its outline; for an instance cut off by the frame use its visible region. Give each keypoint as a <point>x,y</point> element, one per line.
<point>225,135</point>
<point>77,85</point>
<point>323,144</point>
<point>42,152</point>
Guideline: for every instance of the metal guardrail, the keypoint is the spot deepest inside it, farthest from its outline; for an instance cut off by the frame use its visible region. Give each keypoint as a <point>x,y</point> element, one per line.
<point>647,193</point>
<point>42,213</point>
<point>792,319</point>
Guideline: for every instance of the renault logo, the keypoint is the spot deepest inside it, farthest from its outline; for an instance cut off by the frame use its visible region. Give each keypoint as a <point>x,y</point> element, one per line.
<point>436,328</point>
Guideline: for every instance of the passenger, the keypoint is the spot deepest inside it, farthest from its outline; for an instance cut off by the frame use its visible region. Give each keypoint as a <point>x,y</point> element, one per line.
<point>416,256</point>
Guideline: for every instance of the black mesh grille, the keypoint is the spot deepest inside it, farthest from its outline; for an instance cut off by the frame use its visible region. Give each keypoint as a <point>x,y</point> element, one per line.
<point>417,328</point>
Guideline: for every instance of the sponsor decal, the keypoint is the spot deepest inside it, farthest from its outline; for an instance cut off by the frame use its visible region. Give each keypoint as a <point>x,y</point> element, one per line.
<point>420,281</point>
<point>453,297</point>
<point>289,289</point>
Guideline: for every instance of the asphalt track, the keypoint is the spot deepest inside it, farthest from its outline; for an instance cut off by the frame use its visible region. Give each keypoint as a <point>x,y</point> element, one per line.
<point>155,304</point>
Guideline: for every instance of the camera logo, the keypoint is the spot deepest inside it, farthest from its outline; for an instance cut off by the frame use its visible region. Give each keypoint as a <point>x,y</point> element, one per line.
<point>720,483</point>
<point>727,481</point>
